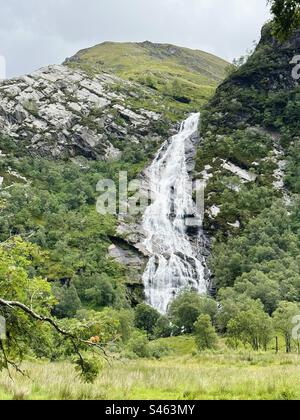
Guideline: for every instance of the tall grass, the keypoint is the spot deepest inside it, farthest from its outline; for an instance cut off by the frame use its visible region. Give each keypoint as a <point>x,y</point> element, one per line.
<point>230,376</point>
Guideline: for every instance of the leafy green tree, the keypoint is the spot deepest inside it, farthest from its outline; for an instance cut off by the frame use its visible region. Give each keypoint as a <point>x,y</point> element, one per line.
<point>126,324</point>
<point>187,307</point>
<point>286,16</point>
<point>208,306</point>
<point>283,321</point>
<point>106,324</point>
<point>16,285</point>
<point>184,311</point>
<point>258,285</point>
<point>253,327</point>
<point>26,303</point>
<point>146,318</point>
<point>205,334</point>
<point>232,303</point>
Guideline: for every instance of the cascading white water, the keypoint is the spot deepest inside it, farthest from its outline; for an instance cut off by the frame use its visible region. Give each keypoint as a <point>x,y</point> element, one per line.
<point>173,264</point>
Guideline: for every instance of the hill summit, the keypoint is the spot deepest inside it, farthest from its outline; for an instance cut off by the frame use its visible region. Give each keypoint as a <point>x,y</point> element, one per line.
<point>167,68</point>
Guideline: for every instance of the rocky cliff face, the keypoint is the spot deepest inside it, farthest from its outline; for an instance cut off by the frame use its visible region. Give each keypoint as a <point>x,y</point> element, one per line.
<point>60,112</point>
<point>93,110</point>
<point>88,108</point>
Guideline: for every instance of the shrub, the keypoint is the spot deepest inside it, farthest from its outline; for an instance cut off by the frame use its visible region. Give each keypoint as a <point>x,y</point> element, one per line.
<point>158,350</point>
<point>205,334</point>
<point>138,344</point>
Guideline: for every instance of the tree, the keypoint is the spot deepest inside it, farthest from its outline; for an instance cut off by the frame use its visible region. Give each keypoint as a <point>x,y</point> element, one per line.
<point>258,285</point>
<point>253,327</point>
<point>126,321</point>
<point>187,307</point>
<point>16,258</point>
<point>26,303</point>
<point>208,306</point>
<point>186,317</point>
<point>233,303</point>
<point>184,311</point>
<point>146,318</point>
<point>283,321</point>
<point>205,334</point>
<point>286,17</point>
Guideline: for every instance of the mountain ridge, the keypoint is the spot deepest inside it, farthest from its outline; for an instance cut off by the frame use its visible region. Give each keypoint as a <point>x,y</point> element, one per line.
<point>159,51</point>
<point>75,109</point>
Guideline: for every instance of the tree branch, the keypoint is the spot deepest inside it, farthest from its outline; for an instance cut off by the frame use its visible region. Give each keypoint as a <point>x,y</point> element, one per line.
<point>37,317</point>
<point>32,314</point>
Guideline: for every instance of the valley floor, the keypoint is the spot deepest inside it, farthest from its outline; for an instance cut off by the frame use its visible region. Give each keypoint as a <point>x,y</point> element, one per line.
<point>230,376</point>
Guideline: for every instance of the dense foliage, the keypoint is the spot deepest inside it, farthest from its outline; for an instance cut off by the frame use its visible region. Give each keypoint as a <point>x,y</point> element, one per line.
<point>286,16</point>
<point>253,123</point>
<point>56,210</point>
<point>19,283</point>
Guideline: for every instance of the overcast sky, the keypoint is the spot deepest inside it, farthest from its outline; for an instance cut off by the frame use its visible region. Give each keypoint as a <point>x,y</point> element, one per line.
<point>35,33</point>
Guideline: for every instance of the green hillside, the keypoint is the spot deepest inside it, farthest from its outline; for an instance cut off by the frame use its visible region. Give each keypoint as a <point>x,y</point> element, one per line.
<point>251,156</point>
<point>186,77</point>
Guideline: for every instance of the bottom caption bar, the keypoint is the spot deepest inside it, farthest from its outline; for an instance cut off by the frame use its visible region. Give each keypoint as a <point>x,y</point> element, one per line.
<point>140,409</point>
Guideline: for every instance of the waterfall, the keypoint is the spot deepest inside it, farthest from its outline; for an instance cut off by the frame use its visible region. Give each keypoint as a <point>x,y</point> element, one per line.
<point>173,264</point>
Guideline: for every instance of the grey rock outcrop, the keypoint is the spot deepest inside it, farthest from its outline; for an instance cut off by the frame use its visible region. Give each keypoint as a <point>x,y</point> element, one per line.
<point>61,112</point>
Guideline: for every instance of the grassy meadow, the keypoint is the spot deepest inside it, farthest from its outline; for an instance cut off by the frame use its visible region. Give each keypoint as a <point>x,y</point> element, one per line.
<point>224,375</point>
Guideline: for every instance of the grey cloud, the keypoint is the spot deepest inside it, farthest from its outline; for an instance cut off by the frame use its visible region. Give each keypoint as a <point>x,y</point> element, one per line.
<point>34,33</point>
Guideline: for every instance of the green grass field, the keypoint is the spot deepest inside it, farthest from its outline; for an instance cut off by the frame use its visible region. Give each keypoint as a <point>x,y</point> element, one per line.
<point>222,375</point>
